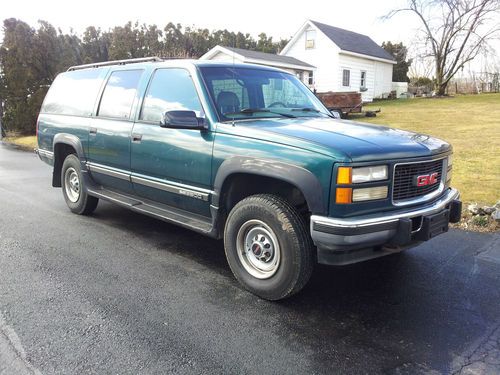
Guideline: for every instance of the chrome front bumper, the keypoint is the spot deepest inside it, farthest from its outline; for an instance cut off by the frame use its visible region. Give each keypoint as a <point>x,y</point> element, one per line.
<point>350,240</point>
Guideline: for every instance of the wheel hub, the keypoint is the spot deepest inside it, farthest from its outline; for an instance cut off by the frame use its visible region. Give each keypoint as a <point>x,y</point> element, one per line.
<point>258,249</point>
<point>72,184</point>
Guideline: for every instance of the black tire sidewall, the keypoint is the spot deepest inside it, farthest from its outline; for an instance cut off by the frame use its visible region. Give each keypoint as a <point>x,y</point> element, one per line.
<point>79,206</point>
<point>286,277</point>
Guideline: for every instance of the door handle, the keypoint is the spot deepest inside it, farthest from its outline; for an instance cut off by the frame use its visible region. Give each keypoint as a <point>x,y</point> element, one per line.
<point>93,131</point>
<point>136,138</point>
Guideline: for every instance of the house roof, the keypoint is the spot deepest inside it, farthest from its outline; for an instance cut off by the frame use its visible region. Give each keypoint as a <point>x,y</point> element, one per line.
<point>256,57</point>
<point>353,42</point>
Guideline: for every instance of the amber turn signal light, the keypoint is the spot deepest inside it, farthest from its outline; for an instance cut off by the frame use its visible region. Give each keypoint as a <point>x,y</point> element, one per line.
<point>344,175</point>
<point>343,195</point>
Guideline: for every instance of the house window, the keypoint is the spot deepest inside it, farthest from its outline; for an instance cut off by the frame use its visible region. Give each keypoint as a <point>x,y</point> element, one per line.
<point>310,78</point>
<point>346,77</point>
<point>299,75</point>
<point>363,79</point>
<point>310,39</point>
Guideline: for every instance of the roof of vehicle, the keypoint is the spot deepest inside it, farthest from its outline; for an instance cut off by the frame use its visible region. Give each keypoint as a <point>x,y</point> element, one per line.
<point>143,62</point>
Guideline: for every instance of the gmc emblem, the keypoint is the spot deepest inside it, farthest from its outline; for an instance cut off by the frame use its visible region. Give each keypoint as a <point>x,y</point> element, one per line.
<point>425,179</point>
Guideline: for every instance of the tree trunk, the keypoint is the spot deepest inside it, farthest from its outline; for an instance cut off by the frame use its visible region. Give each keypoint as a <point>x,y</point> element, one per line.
<point>440,85</point>
<point>441,89</point>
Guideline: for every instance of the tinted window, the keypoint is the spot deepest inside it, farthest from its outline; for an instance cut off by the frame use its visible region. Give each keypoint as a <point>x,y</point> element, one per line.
<point>119,94</point>
<point>170,89</point>
<point>73,93</point>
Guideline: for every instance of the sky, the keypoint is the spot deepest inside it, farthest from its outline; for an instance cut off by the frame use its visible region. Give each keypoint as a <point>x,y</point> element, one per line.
<point>279,19</point>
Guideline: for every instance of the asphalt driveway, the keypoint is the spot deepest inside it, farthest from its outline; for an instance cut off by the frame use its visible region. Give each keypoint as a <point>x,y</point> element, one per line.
<point>118,292</point>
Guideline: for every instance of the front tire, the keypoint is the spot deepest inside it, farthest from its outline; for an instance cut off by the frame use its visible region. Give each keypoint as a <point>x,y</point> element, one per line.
<point>268,247</point>
<point>77,199</point>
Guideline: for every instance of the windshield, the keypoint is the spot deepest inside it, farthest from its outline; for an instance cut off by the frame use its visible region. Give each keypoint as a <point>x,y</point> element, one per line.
<point>249,93</point>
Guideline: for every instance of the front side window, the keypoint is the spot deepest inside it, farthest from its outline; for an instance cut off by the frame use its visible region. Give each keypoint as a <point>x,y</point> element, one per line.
<point>243,93</point>
<point>346,77</point>
<point>119,94</point>
<point>170,89</point>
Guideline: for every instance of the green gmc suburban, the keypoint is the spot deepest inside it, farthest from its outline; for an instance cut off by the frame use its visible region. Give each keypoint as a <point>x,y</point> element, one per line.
<point>246,153</point>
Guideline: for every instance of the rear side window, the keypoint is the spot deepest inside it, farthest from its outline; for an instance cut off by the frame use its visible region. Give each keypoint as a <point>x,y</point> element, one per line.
<point>73,93</point>
<point>170,89</point>
<point>119,94</point>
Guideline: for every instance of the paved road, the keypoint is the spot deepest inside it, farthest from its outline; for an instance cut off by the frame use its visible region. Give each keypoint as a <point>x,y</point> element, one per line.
<point>122,293</point>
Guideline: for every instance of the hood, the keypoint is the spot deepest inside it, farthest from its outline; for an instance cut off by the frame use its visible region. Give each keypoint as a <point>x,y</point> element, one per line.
<point>357,141</point>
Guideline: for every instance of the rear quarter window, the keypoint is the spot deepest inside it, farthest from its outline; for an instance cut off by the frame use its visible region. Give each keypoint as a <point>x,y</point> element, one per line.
<point>73,93</point>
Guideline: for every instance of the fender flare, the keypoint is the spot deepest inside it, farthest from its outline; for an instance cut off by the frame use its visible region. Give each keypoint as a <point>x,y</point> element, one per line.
<point>295,175</point>
<point>71,140</point>
<point>76,144</point>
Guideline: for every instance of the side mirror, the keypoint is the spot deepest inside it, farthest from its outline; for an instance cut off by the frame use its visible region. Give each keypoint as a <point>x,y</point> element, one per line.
<point>336,113</point>
<point>182,119</point>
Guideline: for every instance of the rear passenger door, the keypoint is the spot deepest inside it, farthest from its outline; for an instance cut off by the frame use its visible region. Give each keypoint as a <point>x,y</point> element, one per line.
<point>110,130</point>
<point>172,166</point>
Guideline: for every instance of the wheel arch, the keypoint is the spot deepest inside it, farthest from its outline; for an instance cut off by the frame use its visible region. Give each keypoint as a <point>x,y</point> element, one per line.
<point>63,145</point>
<point>300,178</point>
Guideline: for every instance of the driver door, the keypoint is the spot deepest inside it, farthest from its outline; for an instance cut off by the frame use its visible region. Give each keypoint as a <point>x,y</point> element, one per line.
<point>171,166</point>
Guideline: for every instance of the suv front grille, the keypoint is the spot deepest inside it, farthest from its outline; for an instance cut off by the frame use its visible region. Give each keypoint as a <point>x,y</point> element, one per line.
<point>404,174</point>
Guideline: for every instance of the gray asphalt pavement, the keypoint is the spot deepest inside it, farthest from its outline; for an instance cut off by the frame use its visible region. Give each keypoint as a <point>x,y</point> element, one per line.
<point>122,293</point>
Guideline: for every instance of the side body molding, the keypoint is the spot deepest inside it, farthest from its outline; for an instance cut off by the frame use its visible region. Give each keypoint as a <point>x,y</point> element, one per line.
<point>298,176</point>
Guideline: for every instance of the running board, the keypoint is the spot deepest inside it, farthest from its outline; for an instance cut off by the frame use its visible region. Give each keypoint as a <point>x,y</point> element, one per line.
<point>163,212</point>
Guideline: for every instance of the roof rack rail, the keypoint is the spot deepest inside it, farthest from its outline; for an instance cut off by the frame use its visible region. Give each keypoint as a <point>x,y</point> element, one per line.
<point>116,62</point>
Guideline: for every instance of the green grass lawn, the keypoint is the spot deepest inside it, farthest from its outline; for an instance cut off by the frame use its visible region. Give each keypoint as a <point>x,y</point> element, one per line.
<point>470,123</point>
<point>27,143</point>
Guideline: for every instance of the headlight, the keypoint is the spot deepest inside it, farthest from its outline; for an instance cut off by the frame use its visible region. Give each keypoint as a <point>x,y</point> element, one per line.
<point>348,175</point>
<point>450,160</point>
<point>368,174</point>
<point>360,175</point>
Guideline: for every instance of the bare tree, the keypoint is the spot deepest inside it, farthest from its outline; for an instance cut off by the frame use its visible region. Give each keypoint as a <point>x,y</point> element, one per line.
<point>421,67</point>
<point>454,32</point>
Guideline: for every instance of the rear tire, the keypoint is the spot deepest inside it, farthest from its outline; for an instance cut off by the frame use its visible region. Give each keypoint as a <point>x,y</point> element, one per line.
<point>268,247</point>
<point>75,195</point>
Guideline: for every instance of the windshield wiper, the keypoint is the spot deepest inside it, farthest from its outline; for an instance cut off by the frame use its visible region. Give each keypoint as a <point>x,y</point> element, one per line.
<point>259,110</point>
<point>309,109</point>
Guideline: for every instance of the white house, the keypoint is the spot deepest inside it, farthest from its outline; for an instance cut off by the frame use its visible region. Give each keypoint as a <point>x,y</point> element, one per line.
<point>239,55</point>
<point>343,60</point>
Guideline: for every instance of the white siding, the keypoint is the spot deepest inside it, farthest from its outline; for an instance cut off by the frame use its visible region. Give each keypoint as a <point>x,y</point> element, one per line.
<point>356,65</point>
<point>383,79</point>
<point>324,56</point>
